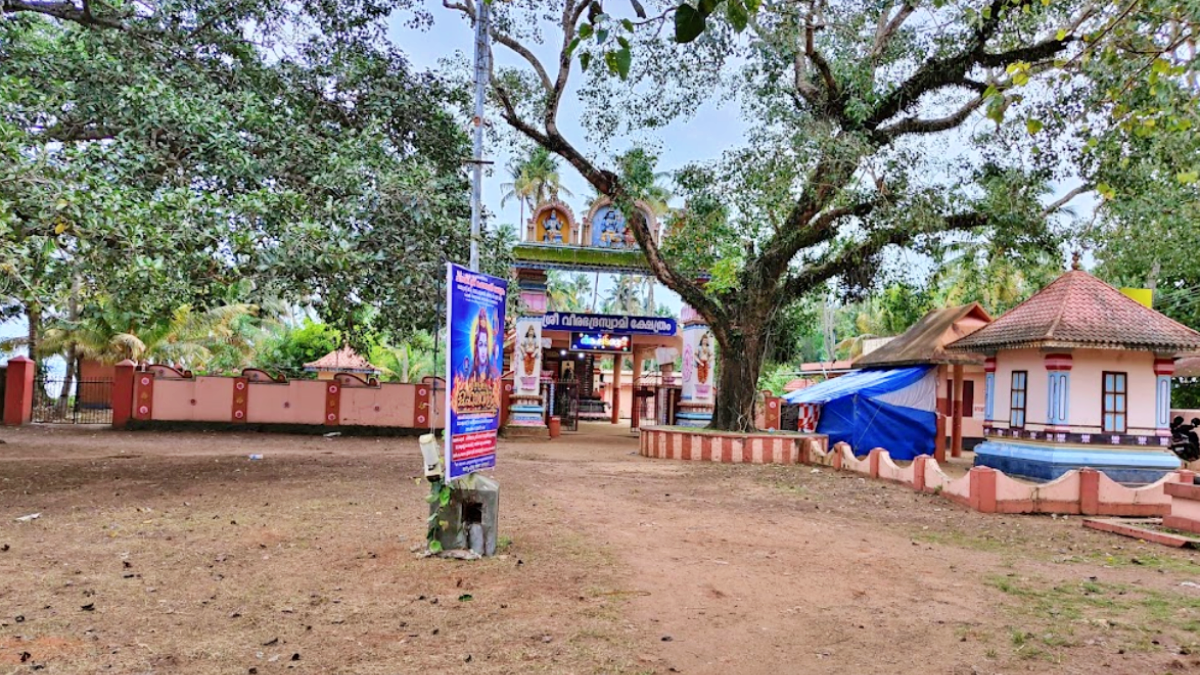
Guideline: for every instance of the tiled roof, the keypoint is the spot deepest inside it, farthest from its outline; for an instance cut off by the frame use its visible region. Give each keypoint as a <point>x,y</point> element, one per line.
<point>1078,310</point>
<point>819,367</point>
<point>925,342</point>
<point>344,360</point>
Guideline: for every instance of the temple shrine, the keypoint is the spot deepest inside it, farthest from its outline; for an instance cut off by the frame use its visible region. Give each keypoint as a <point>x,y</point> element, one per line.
<point>555,357</point>
<point>1079,375</point>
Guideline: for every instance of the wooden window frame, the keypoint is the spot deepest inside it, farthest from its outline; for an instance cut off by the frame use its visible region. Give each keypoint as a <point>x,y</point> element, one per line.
<point>1122,411</point>
<point>1024,407</point>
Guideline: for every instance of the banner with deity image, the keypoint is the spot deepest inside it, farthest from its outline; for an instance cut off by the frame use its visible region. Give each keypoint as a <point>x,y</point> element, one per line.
<point>699,362</point>
<point>475,322</point>
<point>527,357</point>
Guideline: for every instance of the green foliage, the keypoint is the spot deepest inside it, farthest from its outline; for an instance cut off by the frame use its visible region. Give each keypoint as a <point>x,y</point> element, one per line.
<point>290,350</point>
<point>411,360</point>
<point>167,161</point>
<point>774,378</point>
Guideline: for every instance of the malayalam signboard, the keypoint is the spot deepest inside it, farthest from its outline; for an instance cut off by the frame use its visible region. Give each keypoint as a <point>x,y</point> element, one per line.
<point>475,326</point>
<point>609,323</point>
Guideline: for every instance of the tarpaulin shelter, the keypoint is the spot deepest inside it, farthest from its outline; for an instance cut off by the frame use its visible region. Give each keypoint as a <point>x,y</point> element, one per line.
<point>893,409</point>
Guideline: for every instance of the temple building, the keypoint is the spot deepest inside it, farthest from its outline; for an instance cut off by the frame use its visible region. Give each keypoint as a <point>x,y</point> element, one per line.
<point>344,360</point>
<point>555,356</point>
<point>1079,375</point>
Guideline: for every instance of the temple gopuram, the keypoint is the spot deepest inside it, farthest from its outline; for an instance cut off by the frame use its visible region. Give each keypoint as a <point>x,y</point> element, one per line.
<point>555,357</point>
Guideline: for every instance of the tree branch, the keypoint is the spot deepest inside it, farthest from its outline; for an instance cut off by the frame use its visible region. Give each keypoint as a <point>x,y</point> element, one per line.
<point>937,73</point>
<point>1065,199</point>
<point>1036,52</point>
<point>914,125</point>
<point>887,29</point>
<point>847,260</point>
<point>65,10</point>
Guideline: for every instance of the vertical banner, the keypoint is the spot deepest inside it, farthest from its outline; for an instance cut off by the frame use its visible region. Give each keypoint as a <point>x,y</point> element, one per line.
<point>475,325</point>
<point>527,357</point>
<point>699,362</point>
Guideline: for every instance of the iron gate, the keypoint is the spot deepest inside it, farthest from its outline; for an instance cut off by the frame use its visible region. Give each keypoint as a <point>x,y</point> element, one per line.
<point>87,401</point>
<point>564,402</point>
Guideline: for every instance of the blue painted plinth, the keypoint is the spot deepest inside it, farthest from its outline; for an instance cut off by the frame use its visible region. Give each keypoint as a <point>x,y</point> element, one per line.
<point>693,419</point>
<point>1047,461</point>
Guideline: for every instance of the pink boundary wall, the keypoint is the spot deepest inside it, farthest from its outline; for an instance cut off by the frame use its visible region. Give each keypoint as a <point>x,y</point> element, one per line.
<point>1081,491</point>
<point>160,396</point>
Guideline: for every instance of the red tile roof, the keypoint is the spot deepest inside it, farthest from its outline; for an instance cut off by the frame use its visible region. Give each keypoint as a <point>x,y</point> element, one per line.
<point>1078,310</point>
<point>819,367</point>
<point>344,360</point>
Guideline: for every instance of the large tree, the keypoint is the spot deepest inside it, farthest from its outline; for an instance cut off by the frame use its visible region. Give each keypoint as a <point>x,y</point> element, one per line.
<point>195,152</point>
<point>875,125</point>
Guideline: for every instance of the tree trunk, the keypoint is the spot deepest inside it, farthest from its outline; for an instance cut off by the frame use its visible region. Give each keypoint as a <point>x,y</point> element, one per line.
<point>71,356</point>
<point>64,394</point>
<point>33,314</point>
<point>738,368</point>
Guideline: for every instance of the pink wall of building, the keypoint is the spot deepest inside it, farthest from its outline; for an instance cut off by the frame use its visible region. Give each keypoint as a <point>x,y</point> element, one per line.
<point>1033,362</point>
<point>1086,387</point>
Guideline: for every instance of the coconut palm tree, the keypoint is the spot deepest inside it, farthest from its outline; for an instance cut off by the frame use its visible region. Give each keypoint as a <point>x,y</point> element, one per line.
<point>410,360</point>
<point>566,293</point>
<point>188,338</point>
<point>519,186</point>
<point>533,180</point>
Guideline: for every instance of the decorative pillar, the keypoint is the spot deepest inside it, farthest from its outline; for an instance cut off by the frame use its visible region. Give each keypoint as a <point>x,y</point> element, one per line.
<point>989,389</point>
<point>1163,370</point>
<point>143,395</point>
<point>956,412</point>
<point>122,393</point>
<point>18,392</point>
<point>1058,376</point>
<point>636,402</point>
<point>699,366</point>
<point>773,413</point>
<point>526,414</point>
<point>618,366</point>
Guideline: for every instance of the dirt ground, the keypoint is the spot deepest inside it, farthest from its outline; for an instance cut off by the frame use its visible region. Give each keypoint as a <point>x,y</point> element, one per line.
<point>174,553</point>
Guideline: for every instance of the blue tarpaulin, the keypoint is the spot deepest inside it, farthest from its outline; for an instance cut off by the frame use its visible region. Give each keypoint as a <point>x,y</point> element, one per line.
<point>891,409</point>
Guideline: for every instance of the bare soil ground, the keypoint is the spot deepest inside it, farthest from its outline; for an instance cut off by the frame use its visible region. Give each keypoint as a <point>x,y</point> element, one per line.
<point>174,553</point>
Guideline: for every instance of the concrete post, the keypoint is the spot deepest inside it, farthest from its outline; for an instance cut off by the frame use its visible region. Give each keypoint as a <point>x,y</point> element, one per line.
<point>122,393</point>
<point>918,467</point>
<point>983,489</point>
<point>18,392</point>
<point>956,430</point>
<point>635,412</point>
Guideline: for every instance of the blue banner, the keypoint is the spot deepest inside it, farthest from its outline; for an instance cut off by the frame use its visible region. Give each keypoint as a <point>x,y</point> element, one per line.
<point>475,325</point>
